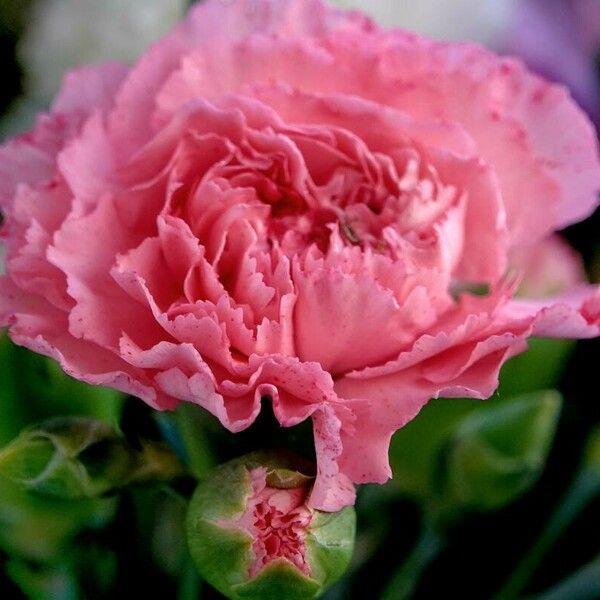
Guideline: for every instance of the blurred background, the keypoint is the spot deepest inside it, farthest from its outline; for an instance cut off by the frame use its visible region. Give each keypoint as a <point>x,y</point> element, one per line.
<point>499,499</point>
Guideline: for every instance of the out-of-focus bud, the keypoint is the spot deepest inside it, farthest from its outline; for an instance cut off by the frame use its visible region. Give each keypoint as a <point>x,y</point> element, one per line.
<point>252,535</point>
<point>497,454</point>
<point>82,458</point>
<point>39,528</point>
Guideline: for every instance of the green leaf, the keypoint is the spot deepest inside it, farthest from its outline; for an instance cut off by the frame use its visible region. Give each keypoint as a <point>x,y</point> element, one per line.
<point>58,583</point>
<point>11,408</point>
<point>196,429</point>
<point>68,458</point>
<point>591,458</point>
<point>583,489</point>
<point>34,388</point>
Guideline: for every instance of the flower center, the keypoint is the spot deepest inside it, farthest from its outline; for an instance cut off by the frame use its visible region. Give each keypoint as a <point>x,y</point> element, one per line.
<point>280,529</point>
<point>277,520</point>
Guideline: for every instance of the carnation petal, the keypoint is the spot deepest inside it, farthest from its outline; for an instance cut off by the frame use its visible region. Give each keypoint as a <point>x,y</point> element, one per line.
<point>89,89</point>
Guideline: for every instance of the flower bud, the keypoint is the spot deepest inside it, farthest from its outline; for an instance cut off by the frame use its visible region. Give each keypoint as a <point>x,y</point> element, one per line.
<point>252,534</point>
<point>496,454</point>
<point>68,458</point>
<point>74,457</point>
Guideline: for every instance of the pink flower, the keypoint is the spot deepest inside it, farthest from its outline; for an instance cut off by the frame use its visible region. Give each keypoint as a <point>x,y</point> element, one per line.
<point>282,201</point>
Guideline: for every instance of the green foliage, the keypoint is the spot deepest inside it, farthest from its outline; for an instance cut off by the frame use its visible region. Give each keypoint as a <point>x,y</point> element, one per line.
<point>591,459</point>
<point>458,459</point>
<point>415,449</point>
<point>34,388</point>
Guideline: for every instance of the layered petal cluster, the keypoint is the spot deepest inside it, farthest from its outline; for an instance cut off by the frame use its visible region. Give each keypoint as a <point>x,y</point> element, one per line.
<point>277,521</point>
<point>281,202</point>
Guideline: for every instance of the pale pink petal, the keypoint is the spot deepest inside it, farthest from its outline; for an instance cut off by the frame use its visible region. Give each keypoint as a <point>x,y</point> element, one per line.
<point>286,18</point>
<point>30,158</point>
<point>89,89</point>
<point>129,123</point>
<point>332,489</point>
<point>574,314</point>
<point>87,163</point>
<point>512,115</point>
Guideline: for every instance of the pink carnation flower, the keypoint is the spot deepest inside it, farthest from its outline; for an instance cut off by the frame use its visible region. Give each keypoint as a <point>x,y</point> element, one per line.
<point>282,201</point>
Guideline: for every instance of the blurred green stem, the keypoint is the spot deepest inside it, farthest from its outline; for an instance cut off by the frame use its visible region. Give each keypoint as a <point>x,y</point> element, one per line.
<point>585,486</point>
<point>404,581</point>
<point>584,584</point>
<point>201,458</point>
<point>156,461</point>
<point>190,583</point>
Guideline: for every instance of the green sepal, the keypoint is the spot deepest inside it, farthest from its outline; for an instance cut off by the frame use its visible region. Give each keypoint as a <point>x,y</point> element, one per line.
<point>279,579</point>
<point>68,458</point>
<point>287,479</point>
<point>330,544</point>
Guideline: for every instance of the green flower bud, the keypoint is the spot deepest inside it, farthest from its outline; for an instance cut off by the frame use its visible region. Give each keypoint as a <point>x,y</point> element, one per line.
<point>497,453</point>
<point>39,528</point>
<point>253,536</point>
<point>73,457</point>
<point>68,458</point>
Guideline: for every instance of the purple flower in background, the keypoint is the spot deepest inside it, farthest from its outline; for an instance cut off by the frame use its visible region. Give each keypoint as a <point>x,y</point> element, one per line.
<point>561,40</point>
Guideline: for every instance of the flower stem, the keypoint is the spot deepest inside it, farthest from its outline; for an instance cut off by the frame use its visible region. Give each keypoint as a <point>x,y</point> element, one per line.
<point>190,585</point>
<point>585,486</point>
<point>405,579</point>
<point>584,584</point>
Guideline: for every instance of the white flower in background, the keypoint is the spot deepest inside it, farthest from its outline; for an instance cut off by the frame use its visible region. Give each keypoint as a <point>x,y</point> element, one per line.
<point>62,34</point>
<point>483,21</point>
<point>65,33</point>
